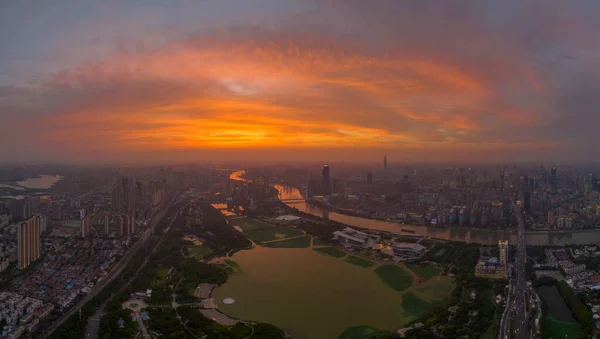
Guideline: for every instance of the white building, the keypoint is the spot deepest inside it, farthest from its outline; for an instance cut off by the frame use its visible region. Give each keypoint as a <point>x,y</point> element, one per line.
<point>404,249</point>
<point>352,237</point>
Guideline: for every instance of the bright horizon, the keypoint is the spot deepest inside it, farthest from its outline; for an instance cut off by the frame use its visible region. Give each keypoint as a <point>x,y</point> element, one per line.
<point>307,81</point>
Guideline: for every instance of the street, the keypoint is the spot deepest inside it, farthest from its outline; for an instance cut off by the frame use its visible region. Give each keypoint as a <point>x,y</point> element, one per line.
<point>520,320</point>
<point>113,274</point>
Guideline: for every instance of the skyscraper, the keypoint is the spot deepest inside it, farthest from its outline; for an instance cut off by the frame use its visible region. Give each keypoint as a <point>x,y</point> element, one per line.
<point>384,161</point>
<point>106,224</point>
<point>527,201</point>
<point>553,179</point>
<point>369,178</point>
<point>124,195</point>
<point>28,243</point>
<point>326,181</point>
<point>20,209</point>
<point>503,252</point>
<point>86,226</point>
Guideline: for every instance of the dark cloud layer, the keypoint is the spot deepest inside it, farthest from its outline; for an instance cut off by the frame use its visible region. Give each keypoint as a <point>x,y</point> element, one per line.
<point>426,80</point>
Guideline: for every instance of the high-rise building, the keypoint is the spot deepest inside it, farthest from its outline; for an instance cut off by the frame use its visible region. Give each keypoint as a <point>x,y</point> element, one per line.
<point>56,211</point>
<point>369,178</point>
<point>503,252</point>
<point>385,162</point>
<point>553,179</point>
<point>527,201</point>
<point>124,195</point>
<point>28,241</point>
<point>20,209</point>
<point>326,183</point>
<point>106,224</point>
<point>86,225</point>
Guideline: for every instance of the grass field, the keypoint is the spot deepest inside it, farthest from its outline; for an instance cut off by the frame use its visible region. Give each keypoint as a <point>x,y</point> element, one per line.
<point>394,276</point>
<point>416,306</point>
<point>425,272</point>
<point>320,242</point>
<point>300,242</point>
<point>332,251</point>
<point>273,233</point>
<point>233,266</point>
<point>199,252</point>
<point>161,274</point>
<point>561,329</point>
<point>247,224</point>
<point>361,332</point>
<point>425,297</point>
<point>359,261</point>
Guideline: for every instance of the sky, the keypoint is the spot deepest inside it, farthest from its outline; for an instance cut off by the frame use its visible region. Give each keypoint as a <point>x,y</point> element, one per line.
<point>283,80</point>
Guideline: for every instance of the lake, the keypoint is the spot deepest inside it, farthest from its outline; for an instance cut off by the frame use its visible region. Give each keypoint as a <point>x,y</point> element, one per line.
<point>44,181</point>
<point>312,295</point>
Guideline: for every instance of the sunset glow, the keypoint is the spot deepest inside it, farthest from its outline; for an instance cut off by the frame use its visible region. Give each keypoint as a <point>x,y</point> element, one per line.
<point>187,85</point>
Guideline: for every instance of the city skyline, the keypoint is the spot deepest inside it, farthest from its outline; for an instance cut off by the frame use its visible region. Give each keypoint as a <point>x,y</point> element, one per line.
<point>299,80</point>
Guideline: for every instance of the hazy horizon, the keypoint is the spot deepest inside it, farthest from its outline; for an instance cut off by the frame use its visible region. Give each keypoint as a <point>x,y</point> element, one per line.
<point>299,81</point>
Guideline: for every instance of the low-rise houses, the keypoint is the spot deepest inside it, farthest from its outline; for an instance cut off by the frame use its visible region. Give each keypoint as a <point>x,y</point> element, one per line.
<point>20,314</point>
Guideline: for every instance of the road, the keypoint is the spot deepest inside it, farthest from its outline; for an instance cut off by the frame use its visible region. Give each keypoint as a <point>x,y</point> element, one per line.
<point>113,274</point>
<point>505,321</point>
<point>520,320</point>
<point>93,326</point>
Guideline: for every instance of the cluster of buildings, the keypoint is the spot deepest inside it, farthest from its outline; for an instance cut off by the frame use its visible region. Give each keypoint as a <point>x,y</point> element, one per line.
<point>71,266</point>
<point>398,250</point>
<point>490,266</point>
<point>482,197</point>
<point>558,265</point>
<point>21,314</point>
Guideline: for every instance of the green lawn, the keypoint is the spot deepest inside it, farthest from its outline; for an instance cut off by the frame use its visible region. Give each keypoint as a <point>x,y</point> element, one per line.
<point>320,242</point>
<point>247,224</point>
<point>361,332</point>
<point>161,274</point>
<point>416,306</point>
<point>425,272</point>
<point>332,251</point>
<point>394,276</point>
<point>359,261</point>
<point>233,266</point>
<point>273,233</point>
<point>199,252</point>
<point>561,329</point>
<point>301,242</point>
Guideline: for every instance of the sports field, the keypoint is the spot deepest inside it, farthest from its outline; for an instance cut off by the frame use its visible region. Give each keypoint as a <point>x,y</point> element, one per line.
<point>332,251</point>
<point>247,224</point>
<point>273,233</point>
<point>300,242</point>
<point>359,261</point>
<point>394,276</point>
<point>562,329</point>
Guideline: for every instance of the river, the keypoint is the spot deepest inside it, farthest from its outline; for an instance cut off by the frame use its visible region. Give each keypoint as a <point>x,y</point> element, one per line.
<point>463,234</point>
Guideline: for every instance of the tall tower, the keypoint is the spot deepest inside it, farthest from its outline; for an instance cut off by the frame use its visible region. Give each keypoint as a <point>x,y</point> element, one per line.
<point>553,179</point>
<point>28,243</point>
<point>326,181</point>
<point>385,162</point>
<point>106,224</point>
<point>86,225</point>
<point>503,252</point>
